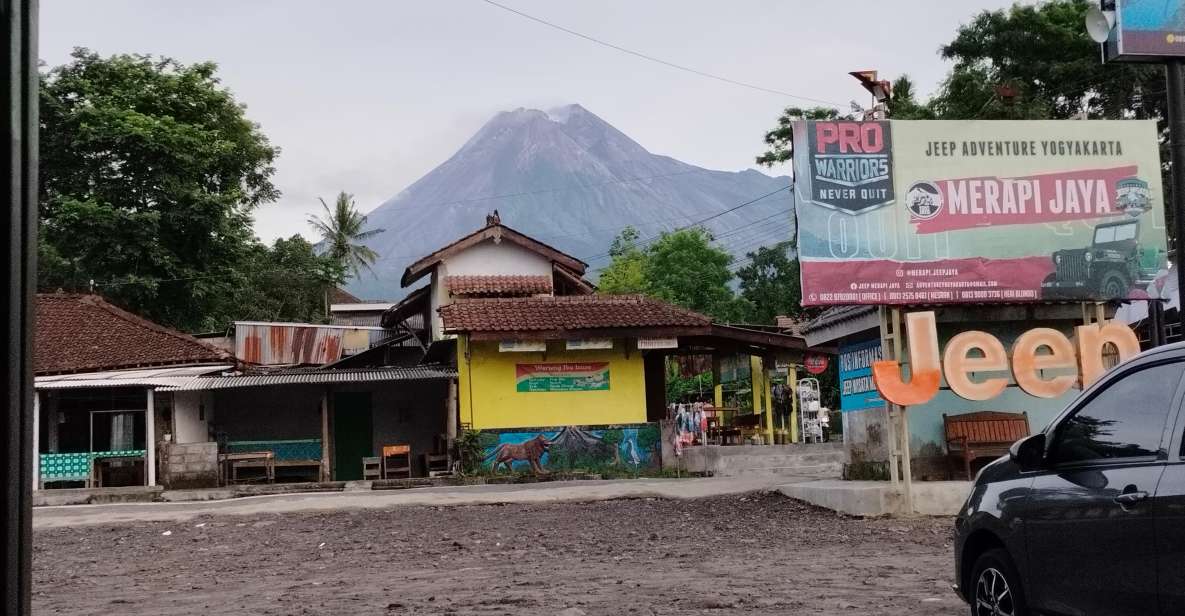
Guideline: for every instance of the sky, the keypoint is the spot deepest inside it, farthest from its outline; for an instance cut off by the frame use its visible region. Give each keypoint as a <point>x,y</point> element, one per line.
<point>367,96</point>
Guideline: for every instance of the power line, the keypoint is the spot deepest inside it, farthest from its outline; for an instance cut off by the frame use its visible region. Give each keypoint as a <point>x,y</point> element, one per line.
<point>696,223</point>
<point>559,189</point>
<point>658,60</point>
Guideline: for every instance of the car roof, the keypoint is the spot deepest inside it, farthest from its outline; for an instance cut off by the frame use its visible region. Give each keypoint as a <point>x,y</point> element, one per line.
<point>1118,223</point>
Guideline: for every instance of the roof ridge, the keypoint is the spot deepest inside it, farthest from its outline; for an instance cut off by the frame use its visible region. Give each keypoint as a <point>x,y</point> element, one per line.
<point>499,232</point>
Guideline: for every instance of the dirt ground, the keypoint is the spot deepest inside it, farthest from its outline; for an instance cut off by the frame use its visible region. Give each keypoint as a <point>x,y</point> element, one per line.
<point>754,554</point>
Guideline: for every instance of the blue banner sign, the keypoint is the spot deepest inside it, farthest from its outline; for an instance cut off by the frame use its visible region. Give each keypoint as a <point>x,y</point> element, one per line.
<point>857,391</point>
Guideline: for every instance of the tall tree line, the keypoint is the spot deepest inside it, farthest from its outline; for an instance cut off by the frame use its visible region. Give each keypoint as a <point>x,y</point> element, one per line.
<point>150,174</point>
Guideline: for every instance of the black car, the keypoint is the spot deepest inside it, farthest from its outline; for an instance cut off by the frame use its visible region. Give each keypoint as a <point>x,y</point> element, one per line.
<point>1087,516</point>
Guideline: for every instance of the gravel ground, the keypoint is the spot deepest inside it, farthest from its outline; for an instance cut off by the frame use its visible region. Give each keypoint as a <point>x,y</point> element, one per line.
<point>754,554</point>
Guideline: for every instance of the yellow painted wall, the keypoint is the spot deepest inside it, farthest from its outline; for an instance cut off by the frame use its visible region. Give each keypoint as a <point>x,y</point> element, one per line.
<point>489,398</point>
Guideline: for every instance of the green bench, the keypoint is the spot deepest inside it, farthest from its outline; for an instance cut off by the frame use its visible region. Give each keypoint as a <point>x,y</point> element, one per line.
<point>77,466</point>
<point>290,453</point>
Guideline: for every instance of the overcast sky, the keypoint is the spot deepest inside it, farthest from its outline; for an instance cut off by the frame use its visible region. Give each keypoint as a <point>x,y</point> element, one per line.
<point>367,96</point>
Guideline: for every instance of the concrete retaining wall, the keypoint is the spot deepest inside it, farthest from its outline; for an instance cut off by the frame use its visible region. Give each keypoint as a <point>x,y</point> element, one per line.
<point>797,460</point>
<point>877,498</point>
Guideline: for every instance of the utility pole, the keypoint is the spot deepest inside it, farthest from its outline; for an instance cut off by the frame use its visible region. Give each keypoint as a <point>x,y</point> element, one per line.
<point>18,228</point>
<point>1176,113</point>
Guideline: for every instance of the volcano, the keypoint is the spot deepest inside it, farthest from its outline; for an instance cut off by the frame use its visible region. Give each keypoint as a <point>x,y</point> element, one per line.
<point>568,178</point>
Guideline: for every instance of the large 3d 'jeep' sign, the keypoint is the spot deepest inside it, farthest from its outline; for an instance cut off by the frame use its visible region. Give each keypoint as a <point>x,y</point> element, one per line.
<point>850,166</point>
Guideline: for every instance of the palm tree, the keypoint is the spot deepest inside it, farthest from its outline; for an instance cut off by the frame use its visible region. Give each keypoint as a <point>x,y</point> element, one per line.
<point>342,233</point>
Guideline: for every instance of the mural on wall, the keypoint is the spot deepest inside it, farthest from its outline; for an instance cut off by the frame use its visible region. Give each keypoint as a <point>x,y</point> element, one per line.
<point>586,448</point>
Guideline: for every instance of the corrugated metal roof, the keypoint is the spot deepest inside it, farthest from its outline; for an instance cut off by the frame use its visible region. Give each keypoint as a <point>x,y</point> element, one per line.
<point>278,344</point>
<point>160,378</point>
<point>321,377</point>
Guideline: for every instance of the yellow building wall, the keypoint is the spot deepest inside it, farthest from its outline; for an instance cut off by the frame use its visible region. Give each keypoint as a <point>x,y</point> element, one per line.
<point>489,399</point>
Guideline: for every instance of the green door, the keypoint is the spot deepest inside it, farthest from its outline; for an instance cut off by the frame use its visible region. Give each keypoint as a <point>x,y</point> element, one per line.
<point>353,434</point>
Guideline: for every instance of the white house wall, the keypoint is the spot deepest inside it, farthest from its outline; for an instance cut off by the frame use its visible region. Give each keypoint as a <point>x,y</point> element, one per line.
<point>190,425</point>
<point>484,259</point>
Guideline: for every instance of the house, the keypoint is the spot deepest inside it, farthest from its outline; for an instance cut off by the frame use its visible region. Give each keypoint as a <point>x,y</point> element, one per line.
<point>104,379</point>
<point>542,359</point>
<point>124,401</point>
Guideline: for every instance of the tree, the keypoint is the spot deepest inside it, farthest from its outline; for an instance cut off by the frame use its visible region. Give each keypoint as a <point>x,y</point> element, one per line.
<point>342,230</point>
<point>625,273</point>
<point>770,284</point>
<point>684,268</point>
<point>149,173</point>
<point>286,282</point>
<point>1043,58</point>
<point>781,139</point>
<point>904,104</point>
<point>681,267</point>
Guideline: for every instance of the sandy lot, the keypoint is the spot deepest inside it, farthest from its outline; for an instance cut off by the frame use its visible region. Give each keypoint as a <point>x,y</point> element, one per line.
<point>753,554</point>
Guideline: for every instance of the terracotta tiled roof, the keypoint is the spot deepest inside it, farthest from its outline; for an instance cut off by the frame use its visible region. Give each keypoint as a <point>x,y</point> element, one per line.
<point>83,333</point>
<point>572,312</point>
<point>338,295</point>
<point>499,285</point>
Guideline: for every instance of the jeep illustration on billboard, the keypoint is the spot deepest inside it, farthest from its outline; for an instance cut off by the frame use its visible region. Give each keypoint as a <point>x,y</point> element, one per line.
<point>1114,262</point>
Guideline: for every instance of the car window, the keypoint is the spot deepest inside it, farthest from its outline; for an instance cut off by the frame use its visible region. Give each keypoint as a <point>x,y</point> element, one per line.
<point>1124,420</point>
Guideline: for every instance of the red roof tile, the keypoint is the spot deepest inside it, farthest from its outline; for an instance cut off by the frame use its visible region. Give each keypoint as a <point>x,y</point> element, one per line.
<point>83,333</point>
<point>571,312</point>
<point>338,295</point>
<point>505,286</point>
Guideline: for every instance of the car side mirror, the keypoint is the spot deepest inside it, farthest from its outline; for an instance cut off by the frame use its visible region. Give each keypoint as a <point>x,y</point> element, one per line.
<point>1029,452</point>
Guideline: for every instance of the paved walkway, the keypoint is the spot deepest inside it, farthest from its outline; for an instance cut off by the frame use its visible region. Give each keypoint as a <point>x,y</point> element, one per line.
<point>547,492</point>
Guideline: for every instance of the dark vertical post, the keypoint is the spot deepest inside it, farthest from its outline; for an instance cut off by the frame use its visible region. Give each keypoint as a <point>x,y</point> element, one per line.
<point>1157,335</point>
<point>1176,105</point>
<point>18,230</point>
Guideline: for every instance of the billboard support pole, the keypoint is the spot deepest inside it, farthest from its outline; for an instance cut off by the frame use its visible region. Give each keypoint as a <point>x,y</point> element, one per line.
<point>18,225</point>
<point>1176,113</point>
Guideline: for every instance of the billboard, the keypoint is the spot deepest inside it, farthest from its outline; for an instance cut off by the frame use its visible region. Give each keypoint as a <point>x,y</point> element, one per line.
<point>992,211</point>
<point>857,392</point>
<point>591,376</point>
<point>1148,30</point>
<point>845,165</point>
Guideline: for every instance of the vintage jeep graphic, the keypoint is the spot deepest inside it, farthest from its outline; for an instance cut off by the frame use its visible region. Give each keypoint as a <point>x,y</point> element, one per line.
<point>1108,268</point>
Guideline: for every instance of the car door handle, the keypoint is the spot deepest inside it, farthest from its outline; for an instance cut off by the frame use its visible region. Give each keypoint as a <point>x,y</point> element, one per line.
<point>1131,498</point>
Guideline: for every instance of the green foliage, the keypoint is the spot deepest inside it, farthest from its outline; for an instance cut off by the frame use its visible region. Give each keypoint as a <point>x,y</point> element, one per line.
<point>680,388</point>
<point>1044,54</point>
<point>472,445</point>
<point>149,173</point>
<point>770,284</point>
<point>626,272</point>
<point>286,282</point>
<point>343,231</point>
<point>780,140</point>
<point>684,268</point>
<point>904,105</point>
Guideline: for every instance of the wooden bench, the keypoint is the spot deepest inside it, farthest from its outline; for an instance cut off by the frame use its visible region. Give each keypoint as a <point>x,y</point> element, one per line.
<point>986,433</point>
<point>291,453</point>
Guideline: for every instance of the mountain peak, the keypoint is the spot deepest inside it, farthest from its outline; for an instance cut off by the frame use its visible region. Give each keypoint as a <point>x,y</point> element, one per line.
<point>564,113</point>
<point>566,177</point>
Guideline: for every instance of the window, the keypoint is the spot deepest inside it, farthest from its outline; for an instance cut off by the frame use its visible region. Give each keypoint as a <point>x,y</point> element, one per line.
<point>1117,233</point>
<point>1125,420</point>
